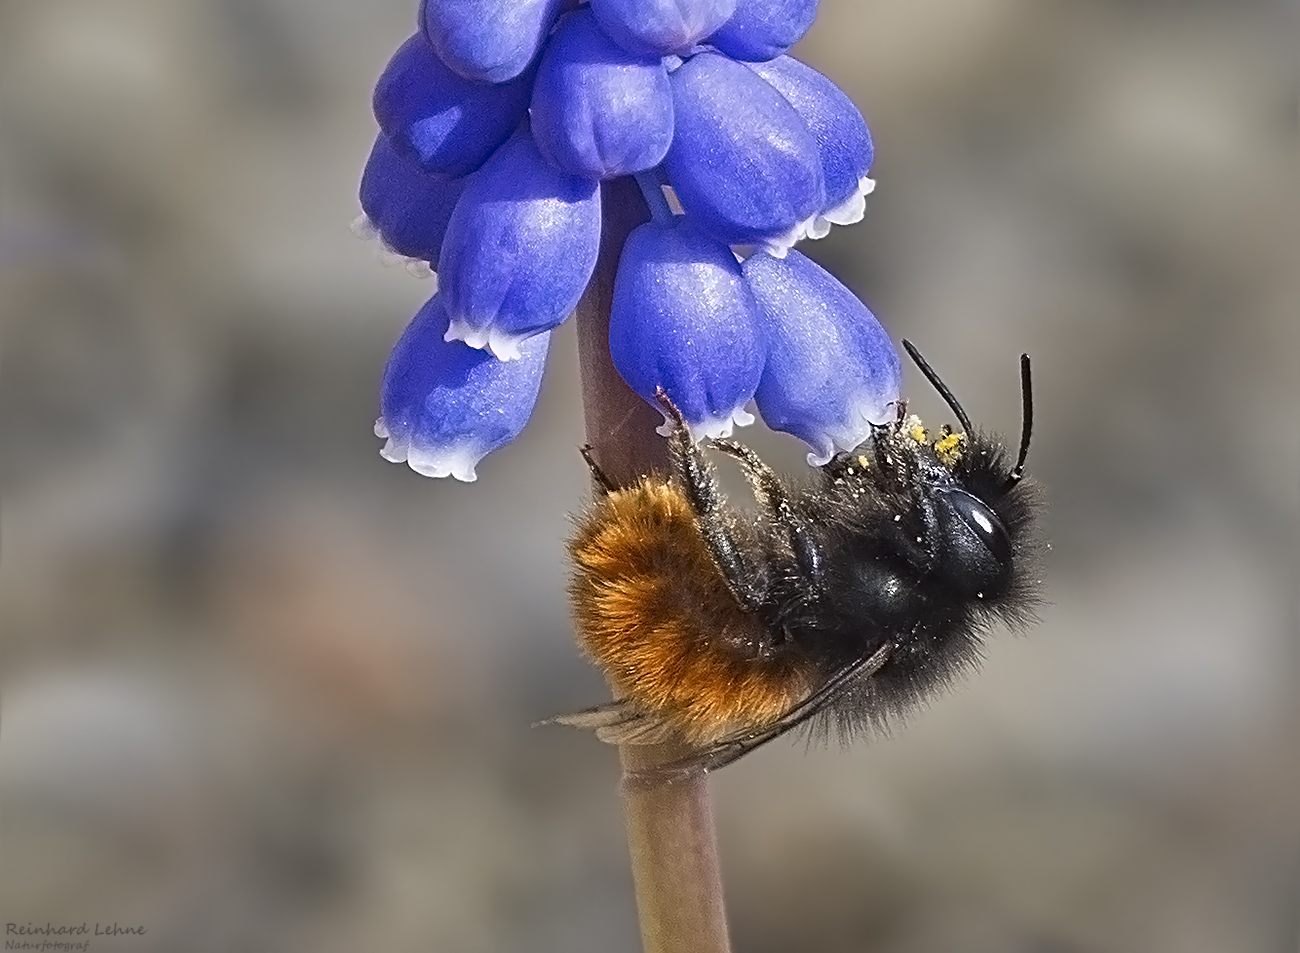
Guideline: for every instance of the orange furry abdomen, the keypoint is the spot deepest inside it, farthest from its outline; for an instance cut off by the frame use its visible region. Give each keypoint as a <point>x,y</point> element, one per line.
<point>654,612</point>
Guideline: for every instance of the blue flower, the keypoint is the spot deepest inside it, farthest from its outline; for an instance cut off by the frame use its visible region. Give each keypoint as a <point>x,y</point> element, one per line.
<point>743,163</point>
<point>599,111</point>
<point>831,369</point>
<point>660,27</point>
<point>444,122</point>
<point>843,141</point>
<point>491,41</point>
<point>444,406</point>
<point>498,121</point>
<point>683,319</point>
<point>761,30</point>
<point>404,207</point>
<point>519,249</point>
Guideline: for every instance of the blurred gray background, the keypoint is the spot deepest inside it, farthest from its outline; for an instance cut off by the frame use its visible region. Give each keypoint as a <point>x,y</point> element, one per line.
<point>264,691</point>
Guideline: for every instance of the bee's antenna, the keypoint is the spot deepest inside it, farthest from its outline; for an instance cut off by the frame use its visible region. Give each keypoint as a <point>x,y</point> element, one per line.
<point>1026,420</point>
<point>938,385</point>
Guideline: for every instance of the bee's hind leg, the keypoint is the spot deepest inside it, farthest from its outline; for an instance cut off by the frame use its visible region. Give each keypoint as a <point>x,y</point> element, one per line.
<point>775,501</point>
<point>597,474</point>
<point>745,583</point>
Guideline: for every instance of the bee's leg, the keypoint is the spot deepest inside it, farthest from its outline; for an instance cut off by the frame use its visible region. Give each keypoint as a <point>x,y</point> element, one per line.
<point>923,538</point>
<point>745,583</point>
<point>775,501</point>
<point>597,474</point>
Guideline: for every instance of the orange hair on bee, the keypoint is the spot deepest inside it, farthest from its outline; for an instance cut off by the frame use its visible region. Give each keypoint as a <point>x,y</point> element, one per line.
<point>655,614</point>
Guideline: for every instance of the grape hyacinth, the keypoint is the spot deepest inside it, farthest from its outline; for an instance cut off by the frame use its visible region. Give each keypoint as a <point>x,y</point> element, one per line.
<point>498,119</point>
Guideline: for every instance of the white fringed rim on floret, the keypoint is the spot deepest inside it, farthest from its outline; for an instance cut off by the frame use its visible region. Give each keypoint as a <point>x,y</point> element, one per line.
<point>366,230</point>
<point>501,344</point>
<point>713,428</point>
<point>457,460</point>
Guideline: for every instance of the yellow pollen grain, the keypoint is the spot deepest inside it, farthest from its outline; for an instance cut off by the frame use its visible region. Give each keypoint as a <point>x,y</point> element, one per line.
<point>863,461</point>
<point>949,443</point>
<point>918,434</point>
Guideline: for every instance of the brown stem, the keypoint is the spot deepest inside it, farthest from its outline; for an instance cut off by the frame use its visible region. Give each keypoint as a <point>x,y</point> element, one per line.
<point>673,847</point>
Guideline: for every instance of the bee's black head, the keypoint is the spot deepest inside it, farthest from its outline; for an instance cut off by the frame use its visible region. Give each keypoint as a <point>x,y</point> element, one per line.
<point>973,513</point>
<point>976,552</point>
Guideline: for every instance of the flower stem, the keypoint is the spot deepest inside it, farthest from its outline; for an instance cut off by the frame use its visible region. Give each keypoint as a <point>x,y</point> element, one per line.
<point>670,832</point>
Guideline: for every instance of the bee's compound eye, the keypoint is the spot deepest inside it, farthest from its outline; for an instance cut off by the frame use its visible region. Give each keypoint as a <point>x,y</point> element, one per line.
<point>981,524</point>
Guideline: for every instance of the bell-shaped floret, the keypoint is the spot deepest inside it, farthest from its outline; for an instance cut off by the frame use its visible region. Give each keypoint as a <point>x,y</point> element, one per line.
<point>404,207</point>
<point>683,319</point>
<point>831,369</point>
<point>743,164</point>
<point>445,406</point>
<point>519,249</point>
<point>444,122</point>
<point>599,111</point>
<point>761,30</point>
<point>841,133</point>
<point>491,41</point>
<point>660,27</point>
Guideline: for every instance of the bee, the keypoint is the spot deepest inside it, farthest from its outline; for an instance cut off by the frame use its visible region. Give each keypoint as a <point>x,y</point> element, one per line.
<point>848,600</point>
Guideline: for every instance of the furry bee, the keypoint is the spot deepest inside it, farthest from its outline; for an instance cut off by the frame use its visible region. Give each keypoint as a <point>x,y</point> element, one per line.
<point>846,602</point>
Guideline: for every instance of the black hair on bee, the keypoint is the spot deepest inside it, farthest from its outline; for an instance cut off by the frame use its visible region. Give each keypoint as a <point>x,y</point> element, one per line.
<point>847,601</point>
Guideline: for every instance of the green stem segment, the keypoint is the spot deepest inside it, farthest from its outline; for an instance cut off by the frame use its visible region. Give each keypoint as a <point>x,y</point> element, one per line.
<point>670,832</point>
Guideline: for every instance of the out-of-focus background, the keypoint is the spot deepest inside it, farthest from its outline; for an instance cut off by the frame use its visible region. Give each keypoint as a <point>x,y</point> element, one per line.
<point>264,691</point>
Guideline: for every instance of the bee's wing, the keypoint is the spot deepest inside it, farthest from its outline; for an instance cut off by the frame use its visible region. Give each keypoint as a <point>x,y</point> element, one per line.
<point>618,723</point>
<point>622,723</point>
<point>735,746</point>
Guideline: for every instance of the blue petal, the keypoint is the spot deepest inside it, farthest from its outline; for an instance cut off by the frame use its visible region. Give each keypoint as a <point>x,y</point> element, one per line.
<point>406,207</point>
<point>744,165</point>
<point>841,133</point>
<point>488,40</point>
<point>599,111</point>
<point>831,369</point>
<point>764,29</point>
<point>683,319</point>
<point>445,406</point>
<point>442,121</point>
<point>660,27</point>
<point>519,249</point>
